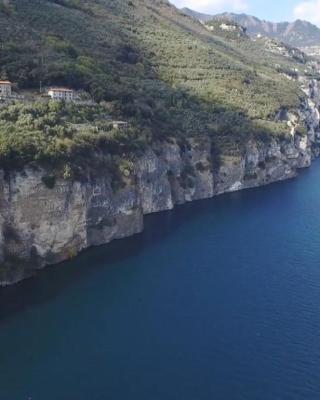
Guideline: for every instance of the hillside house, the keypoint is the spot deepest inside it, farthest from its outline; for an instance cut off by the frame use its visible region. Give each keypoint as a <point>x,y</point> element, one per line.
<point>120,124</point>
<point>61,94</point>
<point>5,89</point>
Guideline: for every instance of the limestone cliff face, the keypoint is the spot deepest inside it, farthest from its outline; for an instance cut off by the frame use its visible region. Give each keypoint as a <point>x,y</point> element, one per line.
<point>41,226</point>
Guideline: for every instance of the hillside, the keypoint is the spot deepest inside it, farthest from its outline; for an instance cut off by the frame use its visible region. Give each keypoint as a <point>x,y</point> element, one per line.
<point>298,33</point>
<point>153,66</point>
<point>197,15</point>
<point>208,110</point>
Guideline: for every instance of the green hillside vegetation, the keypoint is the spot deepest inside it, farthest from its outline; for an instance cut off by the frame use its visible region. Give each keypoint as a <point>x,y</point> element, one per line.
<point>55,133</point>
<point>155,67</point>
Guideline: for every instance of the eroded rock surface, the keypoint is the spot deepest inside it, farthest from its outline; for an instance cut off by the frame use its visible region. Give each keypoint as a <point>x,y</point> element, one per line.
<point>41,226</point>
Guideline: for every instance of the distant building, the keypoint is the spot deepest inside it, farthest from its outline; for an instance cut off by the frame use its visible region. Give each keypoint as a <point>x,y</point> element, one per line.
<point>5,88</point>
<point>120,124</point>
<point>61,94</point>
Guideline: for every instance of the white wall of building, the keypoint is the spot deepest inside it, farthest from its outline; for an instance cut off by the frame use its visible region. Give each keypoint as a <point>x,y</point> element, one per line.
<point>62,94</point>
<point>5,89</point>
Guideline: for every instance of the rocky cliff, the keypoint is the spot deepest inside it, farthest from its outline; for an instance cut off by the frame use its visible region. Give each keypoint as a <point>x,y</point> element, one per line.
<point>41,226</point>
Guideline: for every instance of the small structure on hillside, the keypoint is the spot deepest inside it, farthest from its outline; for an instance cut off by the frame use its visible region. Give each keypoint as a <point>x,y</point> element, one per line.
<point>61,94</point>
<point>120,124</point>
<point>5,89</point>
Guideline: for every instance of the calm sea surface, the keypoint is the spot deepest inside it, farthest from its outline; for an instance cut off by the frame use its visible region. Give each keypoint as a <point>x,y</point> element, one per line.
<point>219,299</point>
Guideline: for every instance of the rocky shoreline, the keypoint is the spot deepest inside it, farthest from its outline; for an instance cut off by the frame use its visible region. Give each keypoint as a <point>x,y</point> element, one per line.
<point>40,226</point>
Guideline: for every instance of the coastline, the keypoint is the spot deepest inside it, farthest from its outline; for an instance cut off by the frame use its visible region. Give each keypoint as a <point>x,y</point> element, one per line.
<point>42,226</point>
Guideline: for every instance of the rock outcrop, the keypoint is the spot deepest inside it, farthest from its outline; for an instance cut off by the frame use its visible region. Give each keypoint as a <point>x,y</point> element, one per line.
<point>42,225</point>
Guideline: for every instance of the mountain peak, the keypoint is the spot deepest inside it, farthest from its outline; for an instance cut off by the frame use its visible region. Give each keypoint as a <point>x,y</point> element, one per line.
<point>299,33</point>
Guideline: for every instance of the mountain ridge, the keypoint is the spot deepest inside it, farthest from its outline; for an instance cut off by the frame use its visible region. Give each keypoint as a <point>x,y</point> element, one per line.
<point>298,33</point>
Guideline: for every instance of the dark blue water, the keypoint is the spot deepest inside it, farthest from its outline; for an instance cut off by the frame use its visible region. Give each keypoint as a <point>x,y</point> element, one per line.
<point>219,299</point>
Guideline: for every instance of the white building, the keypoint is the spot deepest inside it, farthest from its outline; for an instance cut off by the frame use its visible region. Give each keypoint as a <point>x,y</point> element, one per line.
<point>5,88</point>
<point>120,124</point>
<point>61,94</point>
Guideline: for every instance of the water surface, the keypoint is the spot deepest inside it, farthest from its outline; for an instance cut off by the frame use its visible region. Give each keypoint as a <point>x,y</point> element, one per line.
<point>218,299</point>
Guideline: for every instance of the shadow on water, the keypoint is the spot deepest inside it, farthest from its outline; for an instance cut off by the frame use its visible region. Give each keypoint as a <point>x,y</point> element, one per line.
<point>52,281</point>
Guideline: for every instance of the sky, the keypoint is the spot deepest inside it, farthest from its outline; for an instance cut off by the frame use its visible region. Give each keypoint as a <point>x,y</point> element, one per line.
<point>272,10</point>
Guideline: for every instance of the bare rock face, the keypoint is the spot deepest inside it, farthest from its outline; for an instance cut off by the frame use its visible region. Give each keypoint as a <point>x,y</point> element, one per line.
<point>44,226</point>
<point>153,184</point>
<point>41,225</point>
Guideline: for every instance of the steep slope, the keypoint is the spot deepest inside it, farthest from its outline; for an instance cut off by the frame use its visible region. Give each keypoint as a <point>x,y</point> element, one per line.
<point>157,68</point>
<point>298,33</point>
<point>197,15</point>
<point>210,111</point>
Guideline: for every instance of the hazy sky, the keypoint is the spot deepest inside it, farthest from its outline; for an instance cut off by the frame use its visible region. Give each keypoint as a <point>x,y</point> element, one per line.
<point>274,10</point>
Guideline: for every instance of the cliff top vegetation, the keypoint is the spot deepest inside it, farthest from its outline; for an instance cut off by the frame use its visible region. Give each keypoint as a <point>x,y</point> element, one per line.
<point>162,71</point>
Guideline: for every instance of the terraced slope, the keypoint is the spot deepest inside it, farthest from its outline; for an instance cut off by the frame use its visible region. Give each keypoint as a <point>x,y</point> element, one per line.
<point>164,72</point>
